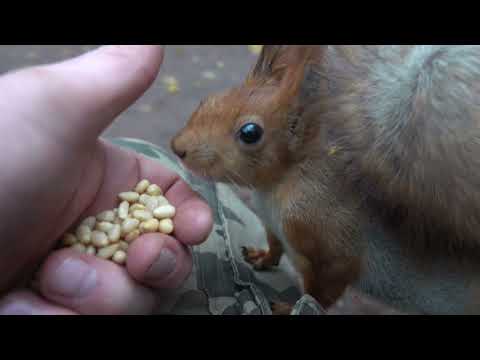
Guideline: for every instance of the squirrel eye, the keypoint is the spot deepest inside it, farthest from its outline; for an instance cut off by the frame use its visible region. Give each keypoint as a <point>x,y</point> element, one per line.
<point>250,133</point>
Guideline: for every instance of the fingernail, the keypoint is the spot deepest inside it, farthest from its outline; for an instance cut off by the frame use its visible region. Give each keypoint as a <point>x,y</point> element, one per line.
<point>163,266</point>
<point>73,278</point>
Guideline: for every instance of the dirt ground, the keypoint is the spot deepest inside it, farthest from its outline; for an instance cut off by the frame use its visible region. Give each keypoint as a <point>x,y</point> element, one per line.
<point>199,70</point>
<point>159,114</point>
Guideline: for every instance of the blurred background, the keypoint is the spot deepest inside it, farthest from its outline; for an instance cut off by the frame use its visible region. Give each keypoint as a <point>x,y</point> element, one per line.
<point>189,73</point>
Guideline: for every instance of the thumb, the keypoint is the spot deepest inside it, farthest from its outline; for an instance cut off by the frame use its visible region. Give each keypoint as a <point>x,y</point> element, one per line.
<point>79,98</point>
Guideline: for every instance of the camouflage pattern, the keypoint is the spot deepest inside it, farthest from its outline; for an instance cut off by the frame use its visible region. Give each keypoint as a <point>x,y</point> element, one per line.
<point>222,283</point>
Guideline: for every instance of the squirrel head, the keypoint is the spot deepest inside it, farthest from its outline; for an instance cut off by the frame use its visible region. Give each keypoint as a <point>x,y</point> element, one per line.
<point>251,134</point>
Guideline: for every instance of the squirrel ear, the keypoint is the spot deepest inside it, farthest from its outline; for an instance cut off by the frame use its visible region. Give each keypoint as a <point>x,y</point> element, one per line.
<point>265,63</point>
<point>276,62</point>
<point>292,68</point>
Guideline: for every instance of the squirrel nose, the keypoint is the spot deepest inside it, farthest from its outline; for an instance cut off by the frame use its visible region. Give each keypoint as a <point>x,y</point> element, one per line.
<point>181,153</point>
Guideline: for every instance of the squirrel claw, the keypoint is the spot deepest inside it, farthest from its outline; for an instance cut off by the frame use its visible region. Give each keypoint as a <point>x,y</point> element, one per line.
<point>281,308</point>
<point>252,254</point>
<point>259,259</point>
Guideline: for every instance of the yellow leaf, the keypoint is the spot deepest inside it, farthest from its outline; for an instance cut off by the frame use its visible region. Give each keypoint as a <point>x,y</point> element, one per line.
<point>209,75</point>
<point>255,49</point>
<point>171,84</point>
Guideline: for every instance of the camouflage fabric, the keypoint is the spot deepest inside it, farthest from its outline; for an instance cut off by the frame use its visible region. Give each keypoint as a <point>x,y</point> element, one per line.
<point>222,283</point>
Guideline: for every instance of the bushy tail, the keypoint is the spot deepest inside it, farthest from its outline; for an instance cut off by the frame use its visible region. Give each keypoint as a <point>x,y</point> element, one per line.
<point>425,115</point>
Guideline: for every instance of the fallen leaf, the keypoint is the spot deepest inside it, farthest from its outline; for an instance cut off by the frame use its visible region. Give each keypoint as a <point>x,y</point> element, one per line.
<point>255,49</point>
<point>171,84</point>
<point>209,75</point>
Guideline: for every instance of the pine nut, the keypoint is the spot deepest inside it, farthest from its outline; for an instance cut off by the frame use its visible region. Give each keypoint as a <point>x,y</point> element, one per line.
<point>151,203</point>
<point>129,225</point>
<point>162,200</point>
<point>120,257</point>
<point>104,226</point>
<point>91,250</point>
<point>84,234</point>
<point>114,233</point>
<point>109,234</point>
<point>143,199</point>
<point>154,190</point>
<point>99,239</point>
<point>107,252</point>
<point>132,236</point>
<point>108,215</point>
<point>123,210</point>
<point>136,206</point>
<point>149,226</point>
<point>164,212</point>
<point>90,222</point>
<point>142,215</point>
<point>166,226</point>
<point>130,196</point>
<point>142,186</point>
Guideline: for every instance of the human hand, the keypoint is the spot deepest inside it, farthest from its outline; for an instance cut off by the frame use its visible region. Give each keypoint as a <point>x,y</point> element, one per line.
<point>56,171</point>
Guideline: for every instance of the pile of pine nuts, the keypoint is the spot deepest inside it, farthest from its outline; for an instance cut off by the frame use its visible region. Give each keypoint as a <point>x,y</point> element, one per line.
<point>109,234</point>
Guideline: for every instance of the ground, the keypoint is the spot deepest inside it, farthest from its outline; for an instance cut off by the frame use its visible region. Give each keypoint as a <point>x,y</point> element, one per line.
<point>189,73</point>
<point>159,114</point>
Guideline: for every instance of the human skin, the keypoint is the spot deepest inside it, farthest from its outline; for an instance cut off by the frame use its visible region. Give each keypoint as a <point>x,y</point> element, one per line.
<point>56,170</point>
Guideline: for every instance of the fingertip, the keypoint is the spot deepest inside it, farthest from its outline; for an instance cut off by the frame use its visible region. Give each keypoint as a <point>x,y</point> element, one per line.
<point>148,58</point>
<point>194,222</point>
<point>159,261</point>
<point>68,273</point>
<point>87,92</point>
<point>90,285</point>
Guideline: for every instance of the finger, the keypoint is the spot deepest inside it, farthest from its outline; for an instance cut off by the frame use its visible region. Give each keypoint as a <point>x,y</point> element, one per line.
<point>92,286</point>
<point>124,168</point>
<point>159,261</point>
<point>83,95</point>
<point>25,302</point>
<point>194,220</point>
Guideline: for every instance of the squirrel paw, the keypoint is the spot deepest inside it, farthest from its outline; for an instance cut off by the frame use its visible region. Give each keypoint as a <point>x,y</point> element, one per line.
<point>281,308</point>
<point>260,259</point>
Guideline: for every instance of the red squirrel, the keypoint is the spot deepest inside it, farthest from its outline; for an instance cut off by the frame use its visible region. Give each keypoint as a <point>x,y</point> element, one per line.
<point>363,163</point>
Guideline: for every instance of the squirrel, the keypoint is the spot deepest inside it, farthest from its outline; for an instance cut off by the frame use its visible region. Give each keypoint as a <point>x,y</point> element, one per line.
<point>363,164</point>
